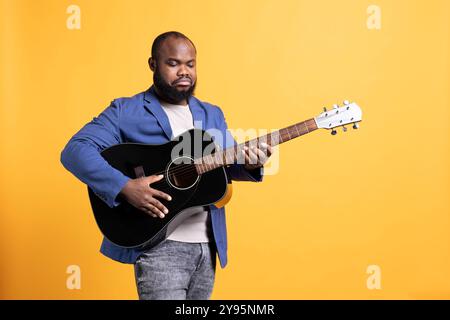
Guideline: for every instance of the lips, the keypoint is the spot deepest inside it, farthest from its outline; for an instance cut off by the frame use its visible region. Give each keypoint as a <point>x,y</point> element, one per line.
<point>183,82</point>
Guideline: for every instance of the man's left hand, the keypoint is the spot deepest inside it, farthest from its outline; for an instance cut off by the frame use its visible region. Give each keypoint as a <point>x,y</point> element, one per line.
<point>255,156</point>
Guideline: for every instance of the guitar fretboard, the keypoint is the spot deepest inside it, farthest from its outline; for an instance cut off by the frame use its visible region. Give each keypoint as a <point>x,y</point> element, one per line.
<point>233,154</point>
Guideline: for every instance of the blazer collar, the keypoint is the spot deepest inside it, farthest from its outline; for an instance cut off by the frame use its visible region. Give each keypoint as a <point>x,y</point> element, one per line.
<point>152,104</point>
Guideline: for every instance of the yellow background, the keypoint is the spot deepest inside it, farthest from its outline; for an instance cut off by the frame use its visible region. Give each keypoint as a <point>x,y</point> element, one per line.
<point>374,196</point>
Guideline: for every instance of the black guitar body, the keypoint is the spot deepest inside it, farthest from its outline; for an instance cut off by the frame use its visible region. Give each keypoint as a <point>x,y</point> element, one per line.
<point>127,226</point>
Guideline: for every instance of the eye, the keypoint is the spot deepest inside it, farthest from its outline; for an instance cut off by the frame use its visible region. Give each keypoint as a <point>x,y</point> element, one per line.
<point>172,63</point>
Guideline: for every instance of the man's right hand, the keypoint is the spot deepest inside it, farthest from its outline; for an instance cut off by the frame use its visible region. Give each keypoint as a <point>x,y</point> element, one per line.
<point>141,195</point>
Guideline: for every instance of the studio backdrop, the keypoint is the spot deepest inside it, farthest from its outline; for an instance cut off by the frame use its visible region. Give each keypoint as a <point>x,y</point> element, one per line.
<point>363,214</point>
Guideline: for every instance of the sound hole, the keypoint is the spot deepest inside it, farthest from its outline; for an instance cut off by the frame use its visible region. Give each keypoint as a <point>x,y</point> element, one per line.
<point>181,173</point>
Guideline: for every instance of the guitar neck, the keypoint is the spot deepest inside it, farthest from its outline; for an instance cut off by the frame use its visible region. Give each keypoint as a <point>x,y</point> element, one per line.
<point>231,155</point>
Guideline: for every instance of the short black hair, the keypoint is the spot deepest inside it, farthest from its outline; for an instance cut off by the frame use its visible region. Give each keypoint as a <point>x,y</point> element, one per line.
<point>163,36</point>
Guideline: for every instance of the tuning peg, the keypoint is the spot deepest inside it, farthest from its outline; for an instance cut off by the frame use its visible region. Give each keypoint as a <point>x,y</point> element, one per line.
<point>344,129</point>
<point>346,102</point>
<point>355,126</point>
<point>333,132</point>
<point>335,106</point>
<point>324,109</point>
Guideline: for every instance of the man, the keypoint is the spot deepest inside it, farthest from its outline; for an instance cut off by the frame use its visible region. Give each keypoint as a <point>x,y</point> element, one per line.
<point>182,266</point>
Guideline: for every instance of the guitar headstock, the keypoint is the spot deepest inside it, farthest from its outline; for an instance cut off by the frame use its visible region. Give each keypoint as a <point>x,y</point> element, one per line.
<point>339,117</point>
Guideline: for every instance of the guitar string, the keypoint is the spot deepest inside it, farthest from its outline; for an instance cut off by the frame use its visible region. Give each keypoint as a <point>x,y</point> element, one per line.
<point>184,170</point>
<point>179,170</point>
<point>235,155</point>
<point>187,168</point>
<point>163,185</point>
<point>191,168</point>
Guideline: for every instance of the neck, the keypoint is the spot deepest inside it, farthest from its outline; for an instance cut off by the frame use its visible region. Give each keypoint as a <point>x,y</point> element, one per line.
<point>231,155</point>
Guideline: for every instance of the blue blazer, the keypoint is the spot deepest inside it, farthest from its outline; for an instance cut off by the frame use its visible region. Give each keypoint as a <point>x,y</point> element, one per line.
<point>141,119</point>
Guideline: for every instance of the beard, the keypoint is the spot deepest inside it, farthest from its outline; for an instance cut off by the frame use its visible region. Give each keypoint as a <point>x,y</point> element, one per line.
<point>169,93</point>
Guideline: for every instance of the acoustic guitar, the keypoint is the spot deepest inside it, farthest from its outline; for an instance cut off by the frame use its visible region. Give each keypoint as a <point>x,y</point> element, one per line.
<point>194,175</point>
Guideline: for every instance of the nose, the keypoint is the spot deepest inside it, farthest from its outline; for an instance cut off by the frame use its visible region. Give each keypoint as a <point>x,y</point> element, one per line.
<point>183,71</point>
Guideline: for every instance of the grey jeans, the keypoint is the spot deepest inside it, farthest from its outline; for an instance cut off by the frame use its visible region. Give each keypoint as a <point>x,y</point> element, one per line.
<point>174,270</point>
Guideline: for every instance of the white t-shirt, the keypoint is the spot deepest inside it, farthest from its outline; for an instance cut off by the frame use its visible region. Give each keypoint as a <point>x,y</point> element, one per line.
<point>197,227</point>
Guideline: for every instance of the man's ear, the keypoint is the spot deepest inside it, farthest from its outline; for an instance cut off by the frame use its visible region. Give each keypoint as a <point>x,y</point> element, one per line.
<point>152,63</point>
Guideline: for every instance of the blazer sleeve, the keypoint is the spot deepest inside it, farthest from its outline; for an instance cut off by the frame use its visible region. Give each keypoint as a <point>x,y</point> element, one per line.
<point>81,156</point>
<point>236,171</point>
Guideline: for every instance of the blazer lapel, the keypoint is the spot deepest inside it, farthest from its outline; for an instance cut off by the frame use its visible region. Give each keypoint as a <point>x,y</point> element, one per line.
<point>152,104</point>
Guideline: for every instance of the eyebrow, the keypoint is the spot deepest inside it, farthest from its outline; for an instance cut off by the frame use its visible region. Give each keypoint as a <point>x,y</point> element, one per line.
<point>177,60</point>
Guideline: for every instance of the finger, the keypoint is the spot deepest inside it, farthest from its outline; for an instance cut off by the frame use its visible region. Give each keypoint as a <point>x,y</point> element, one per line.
<point>150,205</point>
<point>153,178</point>
<point>262,156</point>
<point>160,194</point>
<point>162,209</point>
<point>252,162</point>
<point>149,209</point>
<point>246,157</point>
<point>150,212</point>
<point>267,149</point>
<point>253,155</point>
